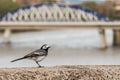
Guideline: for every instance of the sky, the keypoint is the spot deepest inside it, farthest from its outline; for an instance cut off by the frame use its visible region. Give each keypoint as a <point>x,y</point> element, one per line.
<point>76,1</point>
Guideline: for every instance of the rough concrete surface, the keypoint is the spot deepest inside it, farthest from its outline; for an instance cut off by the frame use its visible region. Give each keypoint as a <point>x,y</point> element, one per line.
<point>62,73</point>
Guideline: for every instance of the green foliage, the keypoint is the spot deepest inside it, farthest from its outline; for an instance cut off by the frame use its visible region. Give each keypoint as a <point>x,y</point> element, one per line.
<point>111,13</point>
<point>6,6</point>
<point>48,1</point>
<point>90,5</point>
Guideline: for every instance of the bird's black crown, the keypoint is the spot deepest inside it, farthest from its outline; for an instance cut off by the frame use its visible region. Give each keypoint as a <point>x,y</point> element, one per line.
<point>45,46</point>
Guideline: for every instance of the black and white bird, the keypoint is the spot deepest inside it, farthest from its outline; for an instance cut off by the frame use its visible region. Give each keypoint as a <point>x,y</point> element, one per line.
<point>37,55</point>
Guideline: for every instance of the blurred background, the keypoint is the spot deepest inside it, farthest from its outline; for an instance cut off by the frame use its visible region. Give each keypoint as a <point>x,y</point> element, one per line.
<point>69,46</point>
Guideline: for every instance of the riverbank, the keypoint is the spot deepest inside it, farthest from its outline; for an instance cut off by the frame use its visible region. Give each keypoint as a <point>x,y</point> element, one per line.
<point>62,73</point>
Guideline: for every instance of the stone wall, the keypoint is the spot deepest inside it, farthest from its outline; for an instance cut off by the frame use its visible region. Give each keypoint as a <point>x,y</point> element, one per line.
<point>62,73</point>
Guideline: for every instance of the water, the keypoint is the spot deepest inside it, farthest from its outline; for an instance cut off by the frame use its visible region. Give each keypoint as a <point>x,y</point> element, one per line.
<point>69,47</point>
<point>60,38</point>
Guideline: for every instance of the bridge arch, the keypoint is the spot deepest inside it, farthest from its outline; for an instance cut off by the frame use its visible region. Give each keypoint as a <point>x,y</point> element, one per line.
<point>53,12</point>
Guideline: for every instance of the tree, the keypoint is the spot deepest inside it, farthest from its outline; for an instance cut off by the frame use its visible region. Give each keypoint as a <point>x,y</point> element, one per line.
<point>90,5</point>
<point>6,6</point>
<point>49,1</point>
<point>112,13</point>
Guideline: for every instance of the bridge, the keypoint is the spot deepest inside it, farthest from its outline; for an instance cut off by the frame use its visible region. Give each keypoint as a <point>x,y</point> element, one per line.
<point>57,16</point>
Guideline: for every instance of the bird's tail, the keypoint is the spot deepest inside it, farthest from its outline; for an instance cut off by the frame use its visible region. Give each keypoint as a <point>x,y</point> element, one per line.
<point>18,59</point>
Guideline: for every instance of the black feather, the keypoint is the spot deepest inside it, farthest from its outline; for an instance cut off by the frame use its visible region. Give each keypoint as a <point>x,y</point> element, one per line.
<point>18,59</point>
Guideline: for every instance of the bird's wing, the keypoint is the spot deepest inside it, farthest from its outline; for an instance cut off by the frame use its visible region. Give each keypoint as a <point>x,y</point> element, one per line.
<point>36,53</point>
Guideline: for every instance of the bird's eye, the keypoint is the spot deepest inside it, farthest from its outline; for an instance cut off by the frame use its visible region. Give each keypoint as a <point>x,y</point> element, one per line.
<point>44,47</point>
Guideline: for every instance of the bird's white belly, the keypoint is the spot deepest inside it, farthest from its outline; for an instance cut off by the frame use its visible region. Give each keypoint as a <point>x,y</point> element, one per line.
<point>39,58</point>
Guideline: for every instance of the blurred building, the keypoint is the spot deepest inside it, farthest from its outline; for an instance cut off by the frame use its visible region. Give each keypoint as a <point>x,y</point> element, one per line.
<point>117,8</point>
<point>107,6</point>
<point>111,8</point>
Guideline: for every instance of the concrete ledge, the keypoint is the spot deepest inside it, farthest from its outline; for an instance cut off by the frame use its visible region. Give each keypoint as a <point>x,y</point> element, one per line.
<point>62,73</point>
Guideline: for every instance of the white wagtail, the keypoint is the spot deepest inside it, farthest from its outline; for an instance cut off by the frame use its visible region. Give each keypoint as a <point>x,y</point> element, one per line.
<point>37,55</point>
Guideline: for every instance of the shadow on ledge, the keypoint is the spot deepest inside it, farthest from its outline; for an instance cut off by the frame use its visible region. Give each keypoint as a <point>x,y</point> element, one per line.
<point>62,73</point>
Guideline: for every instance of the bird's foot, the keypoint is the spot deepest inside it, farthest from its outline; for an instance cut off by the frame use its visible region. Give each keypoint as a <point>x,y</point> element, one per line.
<point>40,66</point>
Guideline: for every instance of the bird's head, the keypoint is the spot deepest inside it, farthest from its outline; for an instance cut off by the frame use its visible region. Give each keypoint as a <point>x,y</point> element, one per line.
<point>45,47</point>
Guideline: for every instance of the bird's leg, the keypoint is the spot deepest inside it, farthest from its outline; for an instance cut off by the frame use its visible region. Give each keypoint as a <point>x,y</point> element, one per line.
<point>38,64</point>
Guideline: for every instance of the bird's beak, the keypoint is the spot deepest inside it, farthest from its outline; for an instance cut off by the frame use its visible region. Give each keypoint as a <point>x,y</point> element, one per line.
<point>49,47</point>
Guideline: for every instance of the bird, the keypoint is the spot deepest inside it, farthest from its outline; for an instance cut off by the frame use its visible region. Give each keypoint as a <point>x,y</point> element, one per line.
<point>37,55</point>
